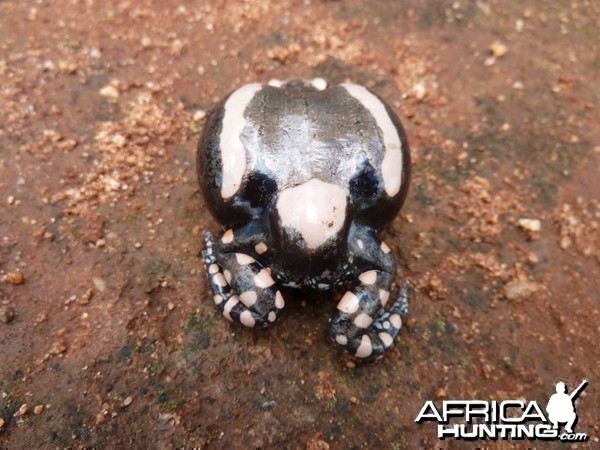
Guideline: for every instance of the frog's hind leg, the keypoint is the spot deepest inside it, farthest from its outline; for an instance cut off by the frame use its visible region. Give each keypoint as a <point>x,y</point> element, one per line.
<point>244,291</point>
<point>361,324</point>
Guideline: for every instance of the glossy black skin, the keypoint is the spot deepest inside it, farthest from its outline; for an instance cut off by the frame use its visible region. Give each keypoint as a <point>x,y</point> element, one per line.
<point>344,126</point>
<point>344,132</point>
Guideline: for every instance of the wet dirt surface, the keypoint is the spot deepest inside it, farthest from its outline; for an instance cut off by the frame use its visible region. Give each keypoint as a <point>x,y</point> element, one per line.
<point>108,334</point>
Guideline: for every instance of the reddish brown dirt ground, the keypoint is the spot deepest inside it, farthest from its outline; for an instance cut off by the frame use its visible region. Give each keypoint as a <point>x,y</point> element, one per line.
<point>109,336</point>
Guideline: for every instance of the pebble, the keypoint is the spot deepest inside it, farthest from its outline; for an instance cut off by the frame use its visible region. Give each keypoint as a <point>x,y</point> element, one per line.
<point>521,289</point>
<point>7,314</point>
<point>498,49</point>
<point>38,409</point>
<point>14,278</point>
<point>128,401</point>
<point>2,422</point>
<point>99,284</point>
<point>199,115</point>
<point>354,400</point>
<point>22,410</point>
<point>109,91</point>
<point>532,225</point>
<point>138,245</point>
<point>86,297</point>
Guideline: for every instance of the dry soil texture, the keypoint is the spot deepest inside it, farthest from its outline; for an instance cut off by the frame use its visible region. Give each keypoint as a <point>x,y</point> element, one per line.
<point>108,334</point>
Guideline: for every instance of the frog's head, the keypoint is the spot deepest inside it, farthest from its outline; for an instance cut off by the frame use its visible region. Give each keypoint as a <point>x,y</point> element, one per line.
<point>312,218</point>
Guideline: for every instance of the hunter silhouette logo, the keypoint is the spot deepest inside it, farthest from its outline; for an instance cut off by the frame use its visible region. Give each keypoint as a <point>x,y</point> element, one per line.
<point>561,407</point>
<point>509,419</point>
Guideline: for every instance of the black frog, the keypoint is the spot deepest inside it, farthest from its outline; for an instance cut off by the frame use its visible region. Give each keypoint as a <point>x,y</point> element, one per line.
<point>303,176</point>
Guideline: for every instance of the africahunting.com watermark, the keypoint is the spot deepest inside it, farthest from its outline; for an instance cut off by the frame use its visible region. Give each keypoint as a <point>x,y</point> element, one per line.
<point>509,419</point>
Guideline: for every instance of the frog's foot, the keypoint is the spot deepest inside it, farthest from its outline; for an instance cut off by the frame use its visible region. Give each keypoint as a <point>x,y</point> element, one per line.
<point>361,324</point>
<point>244,291</point>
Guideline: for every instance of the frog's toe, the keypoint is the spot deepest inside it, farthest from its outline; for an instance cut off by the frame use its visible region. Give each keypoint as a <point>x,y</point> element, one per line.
<point>244,291</point>
<point>361,324</point>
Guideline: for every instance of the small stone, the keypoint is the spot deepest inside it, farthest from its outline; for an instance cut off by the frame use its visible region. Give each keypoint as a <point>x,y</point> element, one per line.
<point>14,278</point>
<point>99,284</point>
<point>533,225</point>
<point>441,392</point>
<point>109,91</point>
<point>505,127</point>
<point>350,364</point>
<point>354,400</point>
<point>521,289</point>
<point>171,306</point>
<point>138,245</point>
<point>7,314</point>
<point>2,422</point>
<point>199,115</point>
<point>10,200</point>
<point>38,409</point>
<point>22,410</point>
<point>489,61</point>
<point>128,401</point>
<point>86,297</point>
<point>498,49</point>
<point>533,258</point>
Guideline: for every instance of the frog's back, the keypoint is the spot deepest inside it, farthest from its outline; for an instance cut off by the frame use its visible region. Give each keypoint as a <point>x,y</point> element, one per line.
<point>263,139</point>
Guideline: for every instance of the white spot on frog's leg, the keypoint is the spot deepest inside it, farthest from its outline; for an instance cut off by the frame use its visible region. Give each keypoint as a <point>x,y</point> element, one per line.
<point>246,319</point>
<point>396,320</point>
<point>217,299</point>
<point>386,324</point>
<point>243,259</point>
<point>213,268</point>
<point>279,301</point>
<point>219,280</point>
<point>227,237</point>
<point>319,84</point>
<point>368,277</point>
<point>365,348</point>
<point>384,296</point>
<point>227,275</point>
<point>341,339</point>
<point>349,303</point>
<point>263,279</point>
<point>272,316</point>
<point>360,244</point>
<point>384,248</point>
<point>386,339</point>
<point>315,209</point>
<point>248,298</point>
<point>391,166</point>
<point>261,248</point>
<point>233,300</point>
<point>363,320</point>
<point>233,152</point>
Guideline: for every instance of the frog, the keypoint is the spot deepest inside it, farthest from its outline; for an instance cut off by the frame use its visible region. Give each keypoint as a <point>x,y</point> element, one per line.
<point>303,177</point>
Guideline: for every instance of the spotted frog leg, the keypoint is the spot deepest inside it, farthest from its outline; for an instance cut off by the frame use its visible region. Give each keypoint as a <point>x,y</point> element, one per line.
<point>361,324</point>
<point>244,290</point>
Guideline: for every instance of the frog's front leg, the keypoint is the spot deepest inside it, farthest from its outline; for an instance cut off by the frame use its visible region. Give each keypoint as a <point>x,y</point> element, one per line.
<point>361,324</point>
<point>243,288</point>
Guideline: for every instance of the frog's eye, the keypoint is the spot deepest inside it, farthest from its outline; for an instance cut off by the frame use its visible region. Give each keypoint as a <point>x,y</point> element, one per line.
<point>259,189</point>
<point>365,183</point>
